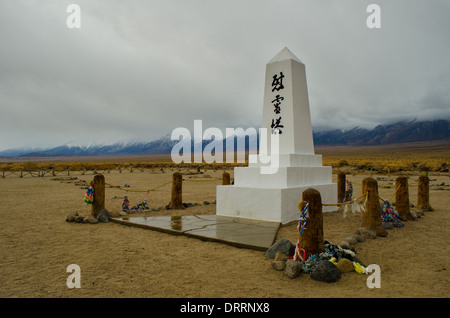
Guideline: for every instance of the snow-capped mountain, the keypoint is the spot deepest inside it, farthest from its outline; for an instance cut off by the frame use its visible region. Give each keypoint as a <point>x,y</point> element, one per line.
<point>400,132</point>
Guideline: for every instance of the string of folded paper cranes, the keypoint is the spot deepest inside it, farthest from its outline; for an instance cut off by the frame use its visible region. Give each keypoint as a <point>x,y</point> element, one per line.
<point>334,253</point>
<point>89,196</point>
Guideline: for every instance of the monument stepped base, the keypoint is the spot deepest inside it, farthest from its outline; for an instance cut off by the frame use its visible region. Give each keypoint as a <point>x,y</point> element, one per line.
<point>276,205</point>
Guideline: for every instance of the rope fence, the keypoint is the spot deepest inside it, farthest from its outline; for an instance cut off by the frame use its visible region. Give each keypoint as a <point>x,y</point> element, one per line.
<point>106,169</point>
<point>401,195</point>
<point>176,193</point>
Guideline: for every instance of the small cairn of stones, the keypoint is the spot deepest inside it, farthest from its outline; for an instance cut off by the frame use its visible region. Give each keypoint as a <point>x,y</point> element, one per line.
<point>103,217</point>
<point>326,266</point>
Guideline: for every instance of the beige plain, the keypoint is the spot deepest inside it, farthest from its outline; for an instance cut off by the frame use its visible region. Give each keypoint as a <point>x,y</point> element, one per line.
<point>37,245</point>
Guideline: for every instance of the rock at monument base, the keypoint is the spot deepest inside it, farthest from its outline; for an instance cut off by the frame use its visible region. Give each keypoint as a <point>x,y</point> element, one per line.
<point>283,245</point>
<point>367,233</point>
<point>92,220</point>
<point>103,216</point>
<point>71,217</point>
<point>388,225</point>
<point>345,265</point>
<point>292,269</point>
<point>281,257</point>
<point>360,238</point>
<point>279,265</point>
<point>351,240</point>
<point>326,272</point>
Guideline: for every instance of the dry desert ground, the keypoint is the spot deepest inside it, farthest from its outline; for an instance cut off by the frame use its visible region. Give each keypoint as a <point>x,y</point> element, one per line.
<point>37,246</point>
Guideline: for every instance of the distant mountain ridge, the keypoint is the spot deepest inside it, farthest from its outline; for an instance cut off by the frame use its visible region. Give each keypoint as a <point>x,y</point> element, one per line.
<point>401,132</point>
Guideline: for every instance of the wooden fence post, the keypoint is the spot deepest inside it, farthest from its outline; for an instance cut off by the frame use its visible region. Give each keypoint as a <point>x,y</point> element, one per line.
<point>99,195</point>
<point>402,198</point>
<point>423,194</point>
<point>341,186</point>
<point>371,217</point>
<point>226,178</point>
<point>312,239</point>
<point>176,201</point>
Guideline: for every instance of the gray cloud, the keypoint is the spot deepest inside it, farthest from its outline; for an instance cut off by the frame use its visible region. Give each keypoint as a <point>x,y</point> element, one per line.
<point>138,69</point>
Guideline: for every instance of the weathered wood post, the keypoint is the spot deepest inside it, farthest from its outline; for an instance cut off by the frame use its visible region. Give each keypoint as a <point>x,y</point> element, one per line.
<point>53,171</point>
<point>371,217</point>
<point>402,198</point>
<point>340,187</point>
<point>226,178</point>
<point>176,201</point>
<point>21,172</point>
<point>99,195</point>
<point>312,238</point>
<point>423,194</point>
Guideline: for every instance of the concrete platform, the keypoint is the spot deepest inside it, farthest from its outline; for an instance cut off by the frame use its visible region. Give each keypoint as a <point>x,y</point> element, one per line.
<point>240,232</point>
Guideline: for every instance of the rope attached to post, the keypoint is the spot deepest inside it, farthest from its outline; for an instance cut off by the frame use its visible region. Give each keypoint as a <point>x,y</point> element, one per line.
<point>129,190</point>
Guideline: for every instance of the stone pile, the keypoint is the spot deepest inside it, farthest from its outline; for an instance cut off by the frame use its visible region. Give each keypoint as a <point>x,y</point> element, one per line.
<point>103,217</point>
<point>326,266</point>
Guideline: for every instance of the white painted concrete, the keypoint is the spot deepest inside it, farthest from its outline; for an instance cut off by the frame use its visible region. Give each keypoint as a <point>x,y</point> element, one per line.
<point>274,197</point>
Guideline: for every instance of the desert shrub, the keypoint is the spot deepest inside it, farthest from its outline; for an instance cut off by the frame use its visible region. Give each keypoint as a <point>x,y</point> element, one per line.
<point>30,166</point>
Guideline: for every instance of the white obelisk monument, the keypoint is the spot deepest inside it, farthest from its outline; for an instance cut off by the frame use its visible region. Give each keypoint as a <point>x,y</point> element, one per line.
<point>274,196</point>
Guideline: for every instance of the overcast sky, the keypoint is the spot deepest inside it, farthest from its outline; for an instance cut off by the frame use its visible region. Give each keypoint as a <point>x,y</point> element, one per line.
<point>136,70</point>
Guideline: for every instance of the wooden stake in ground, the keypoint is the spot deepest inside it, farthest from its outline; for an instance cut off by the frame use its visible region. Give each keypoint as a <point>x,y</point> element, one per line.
<point>312,239</point>
<point>226,178</point>
<point>371,217</point>
<point>402,198</point>
<point>176,201</point>
<point>99,195</point>
<point>340,187</point>
<point>423,194</point>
